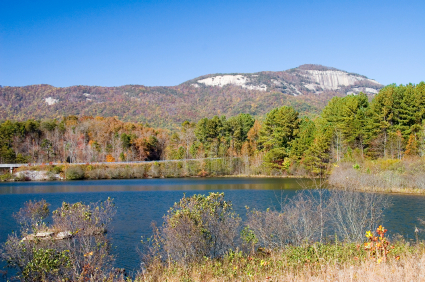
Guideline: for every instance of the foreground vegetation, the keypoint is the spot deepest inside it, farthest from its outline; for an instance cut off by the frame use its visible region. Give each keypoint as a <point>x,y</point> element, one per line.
<point>318,235</point>
<point>330,262</point>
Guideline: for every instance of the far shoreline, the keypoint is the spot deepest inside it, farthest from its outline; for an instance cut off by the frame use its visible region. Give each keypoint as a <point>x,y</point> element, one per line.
<point>391,190</point>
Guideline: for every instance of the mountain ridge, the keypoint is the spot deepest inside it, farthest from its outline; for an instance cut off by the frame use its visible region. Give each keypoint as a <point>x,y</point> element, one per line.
<point>308,77</point>
<point>307,88</point>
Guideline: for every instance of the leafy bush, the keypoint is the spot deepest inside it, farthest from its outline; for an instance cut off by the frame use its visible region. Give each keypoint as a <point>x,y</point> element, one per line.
<point>74,173</point>
<point>5,177</point>
<point>85,256</point>
<point>78,217</point>
<point>57,169</point>
<point>197,227</point>
<point>47,265</point>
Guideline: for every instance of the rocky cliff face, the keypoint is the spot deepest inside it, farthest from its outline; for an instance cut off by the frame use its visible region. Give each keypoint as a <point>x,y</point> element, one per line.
<point>334,80</point>
<point>302,80</point>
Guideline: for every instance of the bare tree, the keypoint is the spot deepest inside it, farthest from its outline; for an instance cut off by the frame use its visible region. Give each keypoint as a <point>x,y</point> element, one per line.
<point>353,212</point>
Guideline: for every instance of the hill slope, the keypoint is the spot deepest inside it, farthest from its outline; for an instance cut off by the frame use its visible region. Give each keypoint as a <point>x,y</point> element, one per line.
<point>307,88</point>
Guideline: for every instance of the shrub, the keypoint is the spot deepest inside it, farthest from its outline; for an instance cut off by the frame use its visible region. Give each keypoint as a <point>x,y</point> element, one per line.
<point>78,217</point>
<point>83,257</point>
<point>197,227</point>
<point>74,173</point>
<point>32,215</point>
<point>300,221</point>
<point>57,169</point>
<point>47,265</point>
<point>353,213</point>
<point>6,176</point>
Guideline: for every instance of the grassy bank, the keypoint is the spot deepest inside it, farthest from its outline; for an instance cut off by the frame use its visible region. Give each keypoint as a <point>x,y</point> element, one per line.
<point>383,175</point>
<point>317,262</point>
<point>172,169</point>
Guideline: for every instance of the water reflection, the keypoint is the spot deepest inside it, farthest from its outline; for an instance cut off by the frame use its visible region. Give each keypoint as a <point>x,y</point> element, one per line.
<point>182,184</point>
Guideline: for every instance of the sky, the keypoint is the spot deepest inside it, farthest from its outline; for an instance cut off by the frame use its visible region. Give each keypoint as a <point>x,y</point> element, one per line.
<point>164,43</point>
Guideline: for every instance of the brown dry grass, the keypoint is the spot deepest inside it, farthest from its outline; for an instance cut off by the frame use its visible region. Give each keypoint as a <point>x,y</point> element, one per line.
<point>384,175</point>
<point>411,267</point>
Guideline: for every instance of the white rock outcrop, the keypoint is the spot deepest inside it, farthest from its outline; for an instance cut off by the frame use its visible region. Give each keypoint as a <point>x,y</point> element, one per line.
<point>48,235</point>
<point>366,90</point>
<point>371,90</point>
<point>37,175</point>
<point>238,80</point>
<point>64,235</point>
<point>51,101</point>
<point>44,234</point>
<point>312,87</point>
<point>315,81</point>
<point>332,79</point>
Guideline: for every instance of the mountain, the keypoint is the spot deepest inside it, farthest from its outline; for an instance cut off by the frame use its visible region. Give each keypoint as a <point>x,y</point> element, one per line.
<point>307,88</point>
<point>305,79</point>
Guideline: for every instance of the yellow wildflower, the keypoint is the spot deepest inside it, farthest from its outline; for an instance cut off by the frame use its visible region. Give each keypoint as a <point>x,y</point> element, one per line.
<point>88,254</point>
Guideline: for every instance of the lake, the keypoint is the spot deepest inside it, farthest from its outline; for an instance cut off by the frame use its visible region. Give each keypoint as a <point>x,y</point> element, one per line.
<point>141,201</point>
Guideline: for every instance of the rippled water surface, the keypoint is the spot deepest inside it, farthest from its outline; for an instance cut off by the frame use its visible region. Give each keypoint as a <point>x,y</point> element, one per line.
<point>139,202</point>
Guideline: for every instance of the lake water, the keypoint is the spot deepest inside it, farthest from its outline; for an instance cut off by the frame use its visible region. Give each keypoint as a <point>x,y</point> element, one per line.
<point>142,201</point>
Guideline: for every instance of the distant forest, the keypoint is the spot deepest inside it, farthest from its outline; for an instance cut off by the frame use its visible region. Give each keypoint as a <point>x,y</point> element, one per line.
<point>165,107</point>
<point>391,125</point>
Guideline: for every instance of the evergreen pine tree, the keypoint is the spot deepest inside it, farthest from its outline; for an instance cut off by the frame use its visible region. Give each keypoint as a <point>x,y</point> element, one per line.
<point>380,116</point>
<point>304,139</point>
<point>405,118</point>
<point>317,157</point>
<point>279,129</point>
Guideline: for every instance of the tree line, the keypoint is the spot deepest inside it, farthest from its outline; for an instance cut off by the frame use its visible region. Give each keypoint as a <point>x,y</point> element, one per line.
<point>390,125</point>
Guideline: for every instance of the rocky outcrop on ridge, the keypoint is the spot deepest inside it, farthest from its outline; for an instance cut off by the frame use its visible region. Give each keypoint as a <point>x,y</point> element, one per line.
<point>304,79</point>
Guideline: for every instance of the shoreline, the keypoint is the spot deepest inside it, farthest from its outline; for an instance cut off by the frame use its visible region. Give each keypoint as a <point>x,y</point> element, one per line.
<point>392,190</point>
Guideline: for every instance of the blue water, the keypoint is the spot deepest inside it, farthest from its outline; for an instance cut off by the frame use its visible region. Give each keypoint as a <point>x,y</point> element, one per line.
<point>140,202</point>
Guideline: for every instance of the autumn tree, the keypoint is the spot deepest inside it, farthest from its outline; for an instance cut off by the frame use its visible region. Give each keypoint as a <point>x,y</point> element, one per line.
<point>412,146</point>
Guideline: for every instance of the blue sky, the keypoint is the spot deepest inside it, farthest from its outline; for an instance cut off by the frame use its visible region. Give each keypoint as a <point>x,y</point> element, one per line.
<point>112,43</point>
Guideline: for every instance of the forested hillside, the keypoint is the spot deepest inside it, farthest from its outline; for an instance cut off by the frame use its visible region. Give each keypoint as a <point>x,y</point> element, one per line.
<point>307,89</point>
<point>349,128</point>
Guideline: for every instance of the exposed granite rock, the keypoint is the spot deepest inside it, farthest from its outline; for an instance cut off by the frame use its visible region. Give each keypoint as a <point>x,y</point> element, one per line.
<point>64,235</point>
<point>304,79</point>
<point>333,80</point>
<point>239,80</point>
<point>34,175</point>
<point>45,235</point>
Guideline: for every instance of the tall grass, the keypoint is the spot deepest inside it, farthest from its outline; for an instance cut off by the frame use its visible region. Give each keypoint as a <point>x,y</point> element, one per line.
<point>317,262</point>
<point>387,175</point>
